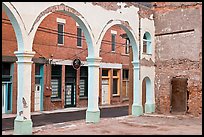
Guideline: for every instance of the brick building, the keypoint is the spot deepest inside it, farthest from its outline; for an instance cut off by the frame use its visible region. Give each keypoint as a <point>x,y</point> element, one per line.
<point>173,61</point>
<point>55,83</point>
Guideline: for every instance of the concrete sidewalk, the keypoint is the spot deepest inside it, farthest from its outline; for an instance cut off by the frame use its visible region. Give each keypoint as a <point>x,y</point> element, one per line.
<point>70,109</point>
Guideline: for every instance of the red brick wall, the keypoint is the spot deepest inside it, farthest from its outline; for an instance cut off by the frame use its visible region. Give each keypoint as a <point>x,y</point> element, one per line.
<point>9,43</point>
<point>45,45</point>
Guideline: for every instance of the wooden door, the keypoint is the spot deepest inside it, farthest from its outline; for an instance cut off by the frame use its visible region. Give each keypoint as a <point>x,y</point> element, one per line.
<point>179,95</point>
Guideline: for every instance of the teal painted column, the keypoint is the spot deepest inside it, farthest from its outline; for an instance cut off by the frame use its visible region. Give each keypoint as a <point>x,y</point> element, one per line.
<point>137,108</point>
<point>150,102</point>
<point>93,112</point>
<point>22,123</point>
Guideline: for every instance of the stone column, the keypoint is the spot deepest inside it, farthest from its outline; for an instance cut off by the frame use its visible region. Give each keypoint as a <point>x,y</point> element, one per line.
<point>93,112</point>
<point>22,122</point>
<point>137,109</point>
<point>150,101</point>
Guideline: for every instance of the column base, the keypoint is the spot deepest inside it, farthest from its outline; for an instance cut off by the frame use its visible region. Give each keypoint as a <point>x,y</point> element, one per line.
<point>92,116</point>
<point>149,108</point>
<point>137,110</point>
<point>22,127</point>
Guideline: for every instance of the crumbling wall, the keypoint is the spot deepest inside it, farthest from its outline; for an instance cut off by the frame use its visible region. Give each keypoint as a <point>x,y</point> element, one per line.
<point>178,52</point>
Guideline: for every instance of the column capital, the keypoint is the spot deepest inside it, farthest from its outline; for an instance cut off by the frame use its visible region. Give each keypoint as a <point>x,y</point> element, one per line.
<point>94,61</point>
<point>24,56</point>
<point>135,64</point>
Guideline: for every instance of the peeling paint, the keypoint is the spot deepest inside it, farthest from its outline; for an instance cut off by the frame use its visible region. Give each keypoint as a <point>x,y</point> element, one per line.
<point>25,105</point>
<point>145,62</point>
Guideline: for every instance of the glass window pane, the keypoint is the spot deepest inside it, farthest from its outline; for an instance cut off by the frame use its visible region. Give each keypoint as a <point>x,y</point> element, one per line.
<point>82,88</point>
<point>113,42</point>
<point>115,86</point>
<point>83,71</point>
<point>60,38</point>
<point>9,97</point>
<point>79,35</point>
<point>115,73</point>
<point>60,34</point>
<point>104,72</point>
<point>55,88</point>
<point>6,68</point>
<point>37,80</point>
<point>37,69</point>
<point>56,70</point>
<point>125,74</point>
<point>127,46</point>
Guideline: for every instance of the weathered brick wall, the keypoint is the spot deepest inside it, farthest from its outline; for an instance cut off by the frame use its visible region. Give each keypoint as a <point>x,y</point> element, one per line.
<point>178,52</point>
<point>45,45</point>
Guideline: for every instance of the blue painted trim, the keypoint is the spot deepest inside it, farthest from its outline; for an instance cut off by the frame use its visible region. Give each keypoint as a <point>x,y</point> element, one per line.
<point>6,99</point>
<point>7,90</point>
<point>42,86</point>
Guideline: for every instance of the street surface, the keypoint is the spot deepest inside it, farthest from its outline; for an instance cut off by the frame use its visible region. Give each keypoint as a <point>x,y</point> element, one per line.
<point>44,119</point>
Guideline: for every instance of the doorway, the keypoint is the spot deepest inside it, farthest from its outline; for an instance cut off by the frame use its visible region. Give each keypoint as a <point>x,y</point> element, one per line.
<point>105,87</point>
<point>143,94</point>
<point>179,95</point>
<point>70,95</point>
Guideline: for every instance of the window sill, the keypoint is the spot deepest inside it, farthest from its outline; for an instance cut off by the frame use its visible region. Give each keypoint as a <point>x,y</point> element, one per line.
<point>116,95</point>
<point>123,54</point>
<point>61,45</point>
<point>147,54</point>
<point>83,98</point>
<point>80,47</point>
<point>125,99</point>
<point>56,100</point>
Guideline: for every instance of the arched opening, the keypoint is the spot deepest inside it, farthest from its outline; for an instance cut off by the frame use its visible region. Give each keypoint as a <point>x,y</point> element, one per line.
<point>61,37</point>
<point>146,93</point>
<point>147,46</point>
<point>17,24</point>
<point>116,39</point>
<point>114,67</point>
<point>11,37</point>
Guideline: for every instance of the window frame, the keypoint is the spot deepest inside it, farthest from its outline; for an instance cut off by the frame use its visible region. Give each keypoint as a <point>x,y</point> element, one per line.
<point>118,83</point>
<point>59,78</point>
<point>79,37</point>
<point>85,78</point>
<point>127,46</point>
<point>113,42</point>
<point>147,43</point>
<point>60,33</point>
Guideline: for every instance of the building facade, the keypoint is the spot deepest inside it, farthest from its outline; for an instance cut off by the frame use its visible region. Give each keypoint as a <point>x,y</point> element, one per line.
<point>38,52</point>
<point>55,83</point>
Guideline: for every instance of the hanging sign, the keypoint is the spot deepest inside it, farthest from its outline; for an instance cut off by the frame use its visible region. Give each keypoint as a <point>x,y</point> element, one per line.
<point>76,63</point>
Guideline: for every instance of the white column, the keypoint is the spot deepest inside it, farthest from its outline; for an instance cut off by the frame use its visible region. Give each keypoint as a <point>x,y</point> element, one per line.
<point>23,123</point>
<point>93,112</point>
<point>150,100</point>
<point>137,109</point>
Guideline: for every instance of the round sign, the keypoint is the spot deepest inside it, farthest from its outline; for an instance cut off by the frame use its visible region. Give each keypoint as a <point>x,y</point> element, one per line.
<point>76,63</point>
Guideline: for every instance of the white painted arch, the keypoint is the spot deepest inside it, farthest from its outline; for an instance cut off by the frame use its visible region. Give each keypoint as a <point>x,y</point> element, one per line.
<point>148,73</point>
<point>129,31</point>
<point>17,24</point>
<point>81,21</point>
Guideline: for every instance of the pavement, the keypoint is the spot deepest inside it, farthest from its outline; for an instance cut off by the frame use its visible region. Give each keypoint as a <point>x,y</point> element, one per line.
<point>64,115</point>
<point>70,109</point>
<point>147,124</point>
